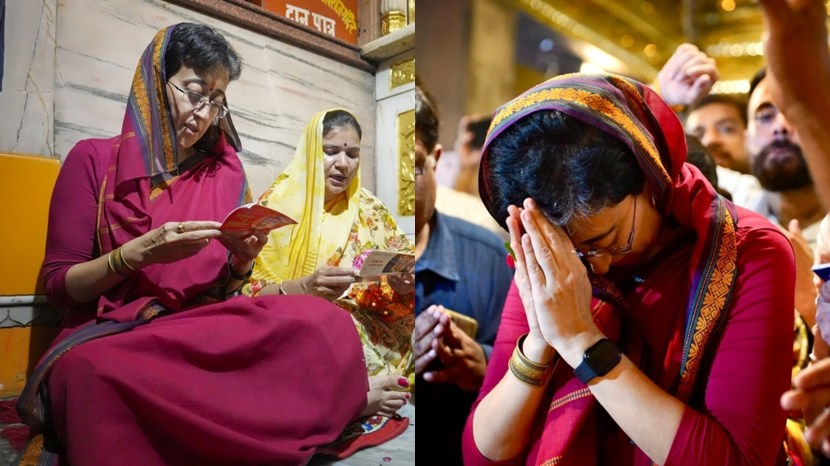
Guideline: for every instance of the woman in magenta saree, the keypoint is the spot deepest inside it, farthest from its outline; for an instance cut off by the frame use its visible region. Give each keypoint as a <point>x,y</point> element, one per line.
<point>650,321</point>
<point>155,364</point>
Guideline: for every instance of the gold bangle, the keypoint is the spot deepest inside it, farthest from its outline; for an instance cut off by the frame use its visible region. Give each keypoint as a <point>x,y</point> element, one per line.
<point>124,261</point>
<point>116,259</point>
<point>111,264</point>
<point>115,264</point>
<point>525,370</point>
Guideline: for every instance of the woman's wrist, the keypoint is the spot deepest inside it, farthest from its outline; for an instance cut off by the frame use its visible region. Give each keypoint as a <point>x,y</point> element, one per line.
<point>281,288</point>
<point>527,371</point>
<point>296,286</point>
<point>132,258</point>
<point>240,270</point>
<point>287,287</point>
<point>574,349</point>
<point>535,348</point>
<point>117,265</point>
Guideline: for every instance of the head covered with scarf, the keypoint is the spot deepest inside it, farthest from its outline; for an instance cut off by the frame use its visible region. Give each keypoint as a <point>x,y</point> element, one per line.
<point>329,232</point>
<point>588,109</point>
<point>322,231</point>
<point>147,184</point>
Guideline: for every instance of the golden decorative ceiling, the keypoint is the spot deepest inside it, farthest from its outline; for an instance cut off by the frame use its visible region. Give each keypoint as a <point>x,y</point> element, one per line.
<point>637,37</point>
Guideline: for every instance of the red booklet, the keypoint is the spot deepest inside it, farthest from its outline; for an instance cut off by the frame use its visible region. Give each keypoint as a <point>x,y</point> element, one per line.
<point>250,217</point>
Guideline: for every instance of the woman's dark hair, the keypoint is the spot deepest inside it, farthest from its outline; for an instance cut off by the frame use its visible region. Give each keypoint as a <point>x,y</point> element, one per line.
<point>338,119</point>
<point>202,48</point>
<point>570,168</point>
<point>698,155</point>
<point>426,117</point>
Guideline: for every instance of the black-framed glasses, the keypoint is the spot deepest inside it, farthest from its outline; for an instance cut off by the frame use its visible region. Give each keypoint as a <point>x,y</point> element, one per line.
<point>613,250</point>
<point>198,101</point>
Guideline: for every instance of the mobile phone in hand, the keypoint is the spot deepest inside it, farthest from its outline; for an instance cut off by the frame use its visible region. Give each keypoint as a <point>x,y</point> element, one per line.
<point>823,271</point>
<point>479,129</point>
<point>466,323</point>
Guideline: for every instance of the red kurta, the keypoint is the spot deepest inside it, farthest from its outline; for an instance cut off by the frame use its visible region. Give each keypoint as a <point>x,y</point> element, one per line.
<point>735,417</point>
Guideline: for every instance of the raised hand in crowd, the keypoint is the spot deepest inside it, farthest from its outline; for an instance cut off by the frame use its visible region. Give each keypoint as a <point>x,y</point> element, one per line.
<point>799,70</point>
<point>687,76</point>
<point>795,47</point>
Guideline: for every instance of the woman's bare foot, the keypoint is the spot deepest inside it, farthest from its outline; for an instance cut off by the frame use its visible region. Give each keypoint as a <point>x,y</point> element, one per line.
<point>384,396</point>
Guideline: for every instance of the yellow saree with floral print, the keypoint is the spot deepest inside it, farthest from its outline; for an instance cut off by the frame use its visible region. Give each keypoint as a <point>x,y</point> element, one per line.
<point>335,234</point>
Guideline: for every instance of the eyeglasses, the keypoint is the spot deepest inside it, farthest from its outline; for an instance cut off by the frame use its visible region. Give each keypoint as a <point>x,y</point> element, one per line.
<point>421,170</point>
<point>613,250</point>
<point>198,101</point>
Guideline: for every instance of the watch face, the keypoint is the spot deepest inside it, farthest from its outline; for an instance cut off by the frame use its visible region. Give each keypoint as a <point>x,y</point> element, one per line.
<point>603,356</point>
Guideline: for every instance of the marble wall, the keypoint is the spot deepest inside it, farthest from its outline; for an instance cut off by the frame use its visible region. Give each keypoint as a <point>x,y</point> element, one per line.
<point>28,95</point>
<point>75,59</point>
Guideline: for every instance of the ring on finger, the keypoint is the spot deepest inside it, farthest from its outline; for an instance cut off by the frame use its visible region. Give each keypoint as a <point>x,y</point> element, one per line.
<point>180,228</point>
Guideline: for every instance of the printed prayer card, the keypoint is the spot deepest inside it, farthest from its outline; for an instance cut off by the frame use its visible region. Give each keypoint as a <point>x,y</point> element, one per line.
<point>250,217</point>
<point>374,263</point>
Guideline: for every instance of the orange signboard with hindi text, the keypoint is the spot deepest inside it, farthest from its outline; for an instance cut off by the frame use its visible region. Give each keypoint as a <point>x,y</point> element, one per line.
<point>336,18</point>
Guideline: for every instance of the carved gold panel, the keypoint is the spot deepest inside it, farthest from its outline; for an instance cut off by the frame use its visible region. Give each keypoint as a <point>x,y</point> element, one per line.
<point>403,72</point>
<point>406,163</point>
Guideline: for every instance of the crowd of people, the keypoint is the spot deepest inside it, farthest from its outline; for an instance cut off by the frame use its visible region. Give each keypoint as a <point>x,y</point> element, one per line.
<point>640,326</point>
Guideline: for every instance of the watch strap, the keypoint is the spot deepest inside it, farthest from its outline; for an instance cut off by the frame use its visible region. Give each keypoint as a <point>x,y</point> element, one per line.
<point>584,372</point>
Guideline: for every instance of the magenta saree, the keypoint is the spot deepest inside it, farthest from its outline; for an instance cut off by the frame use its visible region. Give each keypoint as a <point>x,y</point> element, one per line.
<point>162,369</point>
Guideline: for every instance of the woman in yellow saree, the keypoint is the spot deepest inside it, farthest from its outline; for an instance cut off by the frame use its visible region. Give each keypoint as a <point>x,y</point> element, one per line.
<point>337,219</point>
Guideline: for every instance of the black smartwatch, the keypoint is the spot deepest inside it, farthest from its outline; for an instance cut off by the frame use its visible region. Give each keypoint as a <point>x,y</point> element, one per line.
<point>598,360</point>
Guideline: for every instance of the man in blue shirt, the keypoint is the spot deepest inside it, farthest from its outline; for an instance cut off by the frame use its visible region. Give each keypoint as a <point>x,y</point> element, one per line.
<point>460,267</point>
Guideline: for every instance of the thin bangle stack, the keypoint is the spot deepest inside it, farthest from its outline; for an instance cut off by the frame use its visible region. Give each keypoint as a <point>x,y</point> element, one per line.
<point>117,264</point>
